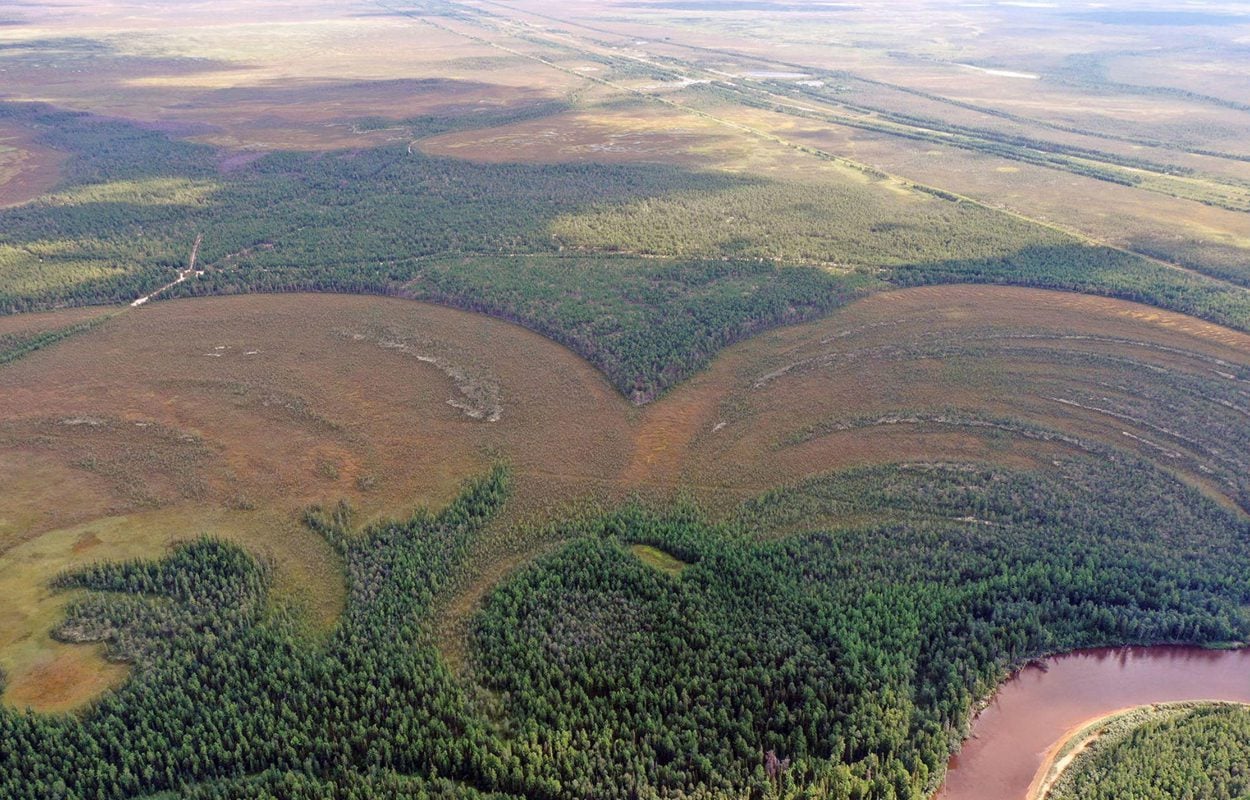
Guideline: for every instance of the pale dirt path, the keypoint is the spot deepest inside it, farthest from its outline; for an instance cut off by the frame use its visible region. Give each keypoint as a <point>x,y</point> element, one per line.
<point>182,276</point>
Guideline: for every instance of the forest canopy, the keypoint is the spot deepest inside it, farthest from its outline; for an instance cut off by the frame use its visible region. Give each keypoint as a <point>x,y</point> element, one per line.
<point>852,654</point>
<point>646,270</point>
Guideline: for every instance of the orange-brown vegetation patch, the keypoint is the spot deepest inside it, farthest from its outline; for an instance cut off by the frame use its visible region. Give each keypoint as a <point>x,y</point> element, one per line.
<point>267,76</point>
<point>27,169</point>
<point>64,680</point>
<point>1005,353</point>
<point>291,400</point>
<point>230,415</point>
<point>27,324</point>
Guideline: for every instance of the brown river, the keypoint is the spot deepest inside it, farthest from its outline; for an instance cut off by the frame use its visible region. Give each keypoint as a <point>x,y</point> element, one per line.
<point>1037,706</point>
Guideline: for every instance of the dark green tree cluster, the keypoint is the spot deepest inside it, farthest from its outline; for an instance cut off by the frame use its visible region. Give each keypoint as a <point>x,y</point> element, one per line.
<point>230,693</point>
<point>645,325</point>
<point>490,237</point>
<point>1093,270</point>
<point>856,653</point>
<point>837,664</point>
<point>1174,754</point>
<point>373,785</point>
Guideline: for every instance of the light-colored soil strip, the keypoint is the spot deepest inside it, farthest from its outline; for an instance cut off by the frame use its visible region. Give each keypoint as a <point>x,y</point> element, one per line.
<point>1079,738</point>
<point>182,275</point>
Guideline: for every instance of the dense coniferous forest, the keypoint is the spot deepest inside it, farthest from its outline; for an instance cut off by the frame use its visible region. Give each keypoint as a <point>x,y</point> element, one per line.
<point>644,269</point>
<point>853,655</point>
<point>1156,754</point>
<point>865,646</point>
<point>227,688</point>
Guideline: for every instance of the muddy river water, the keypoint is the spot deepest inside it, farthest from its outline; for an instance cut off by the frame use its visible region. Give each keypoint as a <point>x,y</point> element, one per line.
<point>1038,705</point>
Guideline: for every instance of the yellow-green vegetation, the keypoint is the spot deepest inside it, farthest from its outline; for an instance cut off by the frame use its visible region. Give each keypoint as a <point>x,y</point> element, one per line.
<point>656,558</point>
<point>162,191</point>
<point>1172,751</point>
<point>834,625</point>
<point>47,675</point>
<point>828,220</point>
<point>57,265</point>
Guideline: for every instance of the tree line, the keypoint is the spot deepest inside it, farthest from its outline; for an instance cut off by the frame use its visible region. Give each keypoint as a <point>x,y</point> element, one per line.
<point>644,269</point>
<point>832,662</point>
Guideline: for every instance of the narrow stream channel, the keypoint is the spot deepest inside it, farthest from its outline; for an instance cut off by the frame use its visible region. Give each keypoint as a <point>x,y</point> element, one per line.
<point>1038,705</point>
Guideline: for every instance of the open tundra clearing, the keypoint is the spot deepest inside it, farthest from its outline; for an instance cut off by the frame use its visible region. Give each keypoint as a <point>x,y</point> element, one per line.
<point>627,399</point>
<point>230,415</point>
